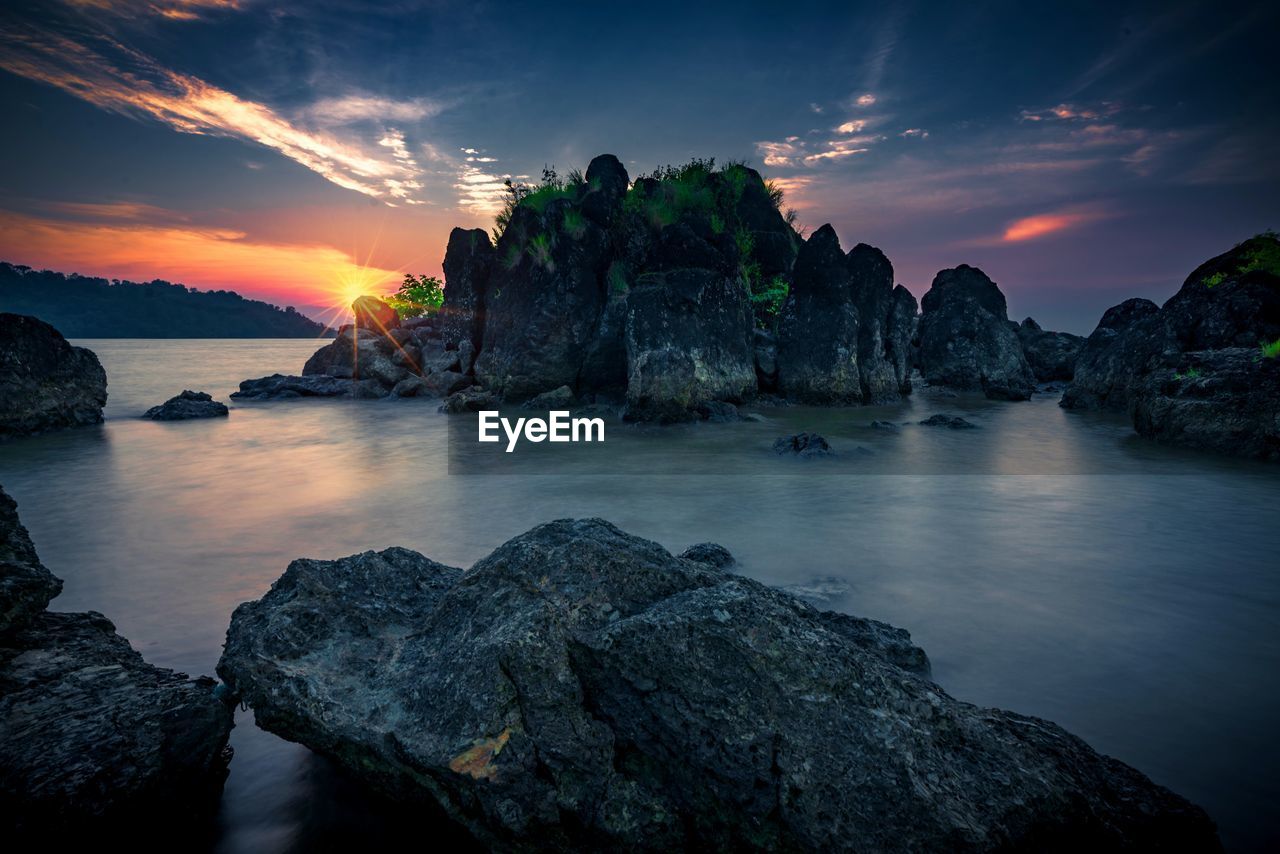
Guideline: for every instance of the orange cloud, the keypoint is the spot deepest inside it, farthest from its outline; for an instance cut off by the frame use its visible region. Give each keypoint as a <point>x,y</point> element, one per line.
<point>207,258</point>
<point>1040,225</point>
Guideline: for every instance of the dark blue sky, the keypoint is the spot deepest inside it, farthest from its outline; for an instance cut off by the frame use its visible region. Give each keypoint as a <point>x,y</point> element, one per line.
<point>300,151</point>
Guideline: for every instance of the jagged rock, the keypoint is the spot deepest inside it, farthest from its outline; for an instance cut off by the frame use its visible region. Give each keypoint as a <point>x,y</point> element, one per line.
<point>445,383</point>
<point>712,554</point>
<point>965,339</point>
<point>582,688</point>
<point>544,301</point>
<point>1225,400</point>
<point>951,422</point>
<point>887,426</point>
<point>374,315</point>
<point>189,404</point>
<point>1130,339</point>
<point>1051,355</point>
<point>364,354</point>
<point>766,345</point>
<point>468,263</point>
<point>1230,302</point>
<point>45,383</point>
<point>470,400</point>
<point>689,342</point>
<point>719,412</point>
<point>26,587</point>
<point>559,398</point>
<point>281,387</point>
<point>845,331</point>
<point>803,445</point>
<point>91,736</point>
<point>413,386</point>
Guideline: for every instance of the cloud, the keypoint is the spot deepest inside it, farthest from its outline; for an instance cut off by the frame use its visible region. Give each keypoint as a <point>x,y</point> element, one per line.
<point>134,211</point>
<point>1042,225</point>
<point>1071,112</point>
<point>797,152</point>
<point>865,100</point>
<point>176,10</point>
<point>354,108</point>
<point>135,85</point>
<point>210,258</point>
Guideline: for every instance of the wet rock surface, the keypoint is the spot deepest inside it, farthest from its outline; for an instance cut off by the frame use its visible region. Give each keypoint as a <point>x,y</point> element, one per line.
<point>580,687</point>
<point>965,338</point>
<point>951,422</point>
<point>45,383</point>
<point>188,404</point>
<point>1051,355</point>
<point>803,445</point>
<point>91,736</point>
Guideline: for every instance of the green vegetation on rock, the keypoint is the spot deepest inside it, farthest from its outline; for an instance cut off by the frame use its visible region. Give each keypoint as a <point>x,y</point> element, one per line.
<point>417,295</point>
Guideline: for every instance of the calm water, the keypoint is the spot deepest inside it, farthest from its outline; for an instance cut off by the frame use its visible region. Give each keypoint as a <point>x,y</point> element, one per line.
<point>1139,610</point>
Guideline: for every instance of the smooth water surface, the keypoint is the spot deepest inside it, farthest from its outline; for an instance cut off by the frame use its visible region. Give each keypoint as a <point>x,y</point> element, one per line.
<point>1140,610</point>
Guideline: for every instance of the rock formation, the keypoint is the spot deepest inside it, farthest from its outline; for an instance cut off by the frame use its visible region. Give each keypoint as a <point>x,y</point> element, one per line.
<point>91,736</point>
<point>189,404</point>
<point>1051,355</point>
<point>845,332</point>
<point>1200,371</point>
<point>580,687</point>
<point>45,383</point>
<point>966,342</point>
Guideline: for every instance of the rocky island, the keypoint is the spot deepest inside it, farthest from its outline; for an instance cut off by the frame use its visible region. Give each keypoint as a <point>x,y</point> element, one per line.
<point>45,383</point>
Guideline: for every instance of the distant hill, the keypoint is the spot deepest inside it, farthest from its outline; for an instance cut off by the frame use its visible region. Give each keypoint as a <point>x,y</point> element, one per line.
<point>88,307</point>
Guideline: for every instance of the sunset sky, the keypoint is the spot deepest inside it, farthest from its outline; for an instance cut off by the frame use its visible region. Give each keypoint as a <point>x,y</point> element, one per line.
<point>298,151</point>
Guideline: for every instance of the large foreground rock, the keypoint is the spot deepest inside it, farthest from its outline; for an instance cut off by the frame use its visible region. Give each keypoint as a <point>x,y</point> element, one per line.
<point>1129,341</point>
<point>93,738</point>
<point>583,688</point>
<point>45,383</point>
<point>966,342</point>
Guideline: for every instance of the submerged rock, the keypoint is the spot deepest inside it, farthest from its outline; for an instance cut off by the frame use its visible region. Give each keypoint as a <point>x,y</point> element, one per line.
<point>91,736</point>
<point>951,422</point>
<point>966,342</point>
<point>580,687</point>
<point>281,387</point>
<point>189,404</point>
<point>45,383</point>
<point>803,445</point>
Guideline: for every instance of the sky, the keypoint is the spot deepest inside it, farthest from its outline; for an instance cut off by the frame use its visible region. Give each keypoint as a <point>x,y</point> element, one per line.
<point>301,152</point>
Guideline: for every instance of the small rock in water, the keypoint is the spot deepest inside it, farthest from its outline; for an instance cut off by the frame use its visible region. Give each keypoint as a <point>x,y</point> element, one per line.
<point>952,422</point>
<point>469,400</point>
<point>803,445</point>
<point>557,398</point>
<point>712,554</point>
<point>719,412</point>
<point>189,404</point>
<point>887,426</point>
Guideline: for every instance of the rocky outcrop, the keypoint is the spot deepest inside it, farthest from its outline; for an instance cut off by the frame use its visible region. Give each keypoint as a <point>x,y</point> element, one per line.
<point>965,338</point>
<point>468,263</point>
<point>1200,370</point>
<point>26,587</point>
<point>374,315</point>
<point>1130,340</point>
<point>951,422</point>
<point>45,383</point>
<point>1226,401</point>
<point>91,736</point>
<point>189,404</point>
<point>580,687</point>
<point>1051,355</point>
<point>845,331</point>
